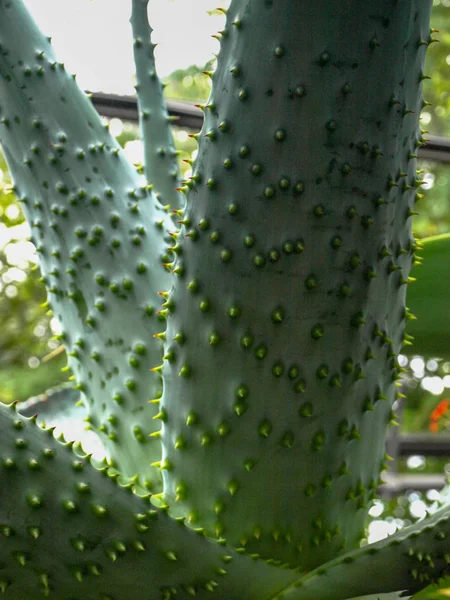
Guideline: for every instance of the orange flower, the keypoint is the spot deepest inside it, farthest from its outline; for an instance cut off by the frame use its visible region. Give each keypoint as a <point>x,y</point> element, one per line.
<point>443,405</point>
<point>440,410</point>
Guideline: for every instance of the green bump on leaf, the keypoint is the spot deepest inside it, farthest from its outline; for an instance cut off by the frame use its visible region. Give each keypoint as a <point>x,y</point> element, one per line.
<point>278,315</point>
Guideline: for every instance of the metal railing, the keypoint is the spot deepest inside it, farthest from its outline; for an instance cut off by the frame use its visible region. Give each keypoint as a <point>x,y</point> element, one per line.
<point>398,446</point>
<point>125,108</point>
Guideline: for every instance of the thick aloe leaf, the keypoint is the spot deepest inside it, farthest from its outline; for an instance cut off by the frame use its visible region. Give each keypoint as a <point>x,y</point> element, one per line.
<point>405,562</point>
<point>61,408</point>
<point>160,157</point>
<point>100,237</point>
<point>69,531</point>
<point>285,323</point>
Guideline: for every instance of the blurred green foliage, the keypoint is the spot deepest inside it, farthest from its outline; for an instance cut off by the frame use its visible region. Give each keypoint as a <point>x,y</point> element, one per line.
<point>434,209</point>
<point>25,338</point>
<point>190,85</point>
<point>435,118</point>
<point>21,310</point>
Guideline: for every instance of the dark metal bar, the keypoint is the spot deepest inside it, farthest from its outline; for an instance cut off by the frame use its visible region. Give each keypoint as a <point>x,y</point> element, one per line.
<point>400,483</point>
<point>437,148</point>
<point>424,444</point>
<point>125,107</point>
<point>421,444</point>
<point>189,116</point>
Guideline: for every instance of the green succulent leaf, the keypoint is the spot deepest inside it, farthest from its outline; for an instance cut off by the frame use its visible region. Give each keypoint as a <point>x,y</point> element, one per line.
<point>100,235</point>
<point>291,301</point>
<point>61,408</point>
<point>405,562</point>
<point>77,533</point>
<point>160,157</point>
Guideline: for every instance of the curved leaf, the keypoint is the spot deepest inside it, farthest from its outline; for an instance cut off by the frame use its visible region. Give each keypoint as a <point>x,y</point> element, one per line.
<point>160,157</point>
<point>61,408</point>
<point>70,531</point>
<point>407,561</point>
<point>99,234</point>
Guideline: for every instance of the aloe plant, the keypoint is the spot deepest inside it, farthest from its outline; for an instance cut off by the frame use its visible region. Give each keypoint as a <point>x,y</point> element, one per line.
<point>234,337</point>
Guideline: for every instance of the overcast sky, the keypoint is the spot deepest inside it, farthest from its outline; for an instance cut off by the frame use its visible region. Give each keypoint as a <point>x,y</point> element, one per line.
<point>93,37</point>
